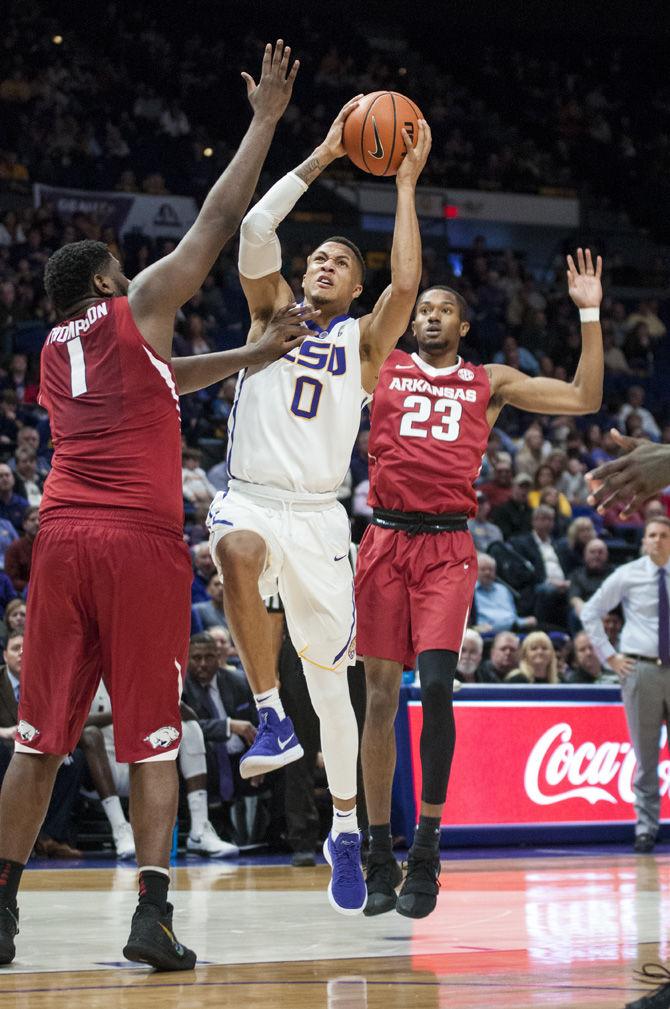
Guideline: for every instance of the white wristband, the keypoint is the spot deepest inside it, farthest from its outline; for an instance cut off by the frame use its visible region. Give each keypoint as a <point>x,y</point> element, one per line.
<point>589,314</point>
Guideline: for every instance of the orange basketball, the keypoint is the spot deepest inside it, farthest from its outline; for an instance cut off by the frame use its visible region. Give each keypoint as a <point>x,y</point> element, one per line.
<point>372,132</point>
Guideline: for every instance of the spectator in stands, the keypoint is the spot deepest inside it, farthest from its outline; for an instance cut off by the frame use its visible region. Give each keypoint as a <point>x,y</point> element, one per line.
<point>483,532</point>
<point>613,624</point>
<point>534,451</point>
<point>359,458</point>
<point>575,486</point>
<point>7,593</point>
<point>54,837</point>
<point>12,505</point>
<point>570,549</point>
<point>537,661</point>
<point>470,658</point>
<point>211,612</point>
<point>8,534</point>
<point>494,608</point>
<point>499,489</point>
<point>204,569</point>
<point>29,438</point>
<point>196,487</point>
<point>19,555</point>
<point>514,517</point>
<point>226,712</point>
<point>586,667</point>
<point>552,585</point>
<point>639,351</point>
<point>588,577</point>
<point>647,312</point>
<point>14,617</point>
<point>29,483</point>
<point>544,477</point>
<point>504,655</point>
<point>635,404</point>
<point>516,356</point>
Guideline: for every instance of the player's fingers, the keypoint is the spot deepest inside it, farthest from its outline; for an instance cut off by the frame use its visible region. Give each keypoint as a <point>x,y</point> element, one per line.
<point>293,71</point>
<point>571,265</point>
<point>249,81</point>
<point>267,59</point>
<point>625,441</point>
<point>633,506</point>
<point>409,146</point>
<point>278,53</point>
<point>349,107</point>
<point>580,261</point>
<point>589,262</point>
<point>599,266</point>
<point>606,470</point>
<point>284,60</point>
<point>294,342</point>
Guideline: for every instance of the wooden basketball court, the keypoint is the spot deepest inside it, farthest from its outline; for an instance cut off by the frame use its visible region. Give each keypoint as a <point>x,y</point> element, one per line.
<point>553,931</point>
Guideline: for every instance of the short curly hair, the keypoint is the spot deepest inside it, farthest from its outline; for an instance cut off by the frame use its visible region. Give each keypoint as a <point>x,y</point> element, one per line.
<point>69,272</point>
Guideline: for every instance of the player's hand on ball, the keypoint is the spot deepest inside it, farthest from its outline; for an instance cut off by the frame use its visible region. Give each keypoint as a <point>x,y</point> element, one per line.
<point>332,147</point>
<point>272,94</point>
<point>416,157</point>
<point>286,329</point>
<point>584,285</point>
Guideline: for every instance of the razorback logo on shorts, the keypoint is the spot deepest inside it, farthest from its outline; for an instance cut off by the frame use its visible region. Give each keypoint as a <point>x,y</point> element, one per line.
<point>352,649</point>
<point>161,738</point>
<point>27,732</point>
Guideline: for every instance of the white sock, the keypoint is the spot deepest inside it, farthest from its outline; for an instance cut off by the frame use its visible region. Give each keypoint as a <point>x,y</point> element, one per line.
<point>114,812</point>
<point>344,823</point>
<point>197,805</point>
<point>270,699</point>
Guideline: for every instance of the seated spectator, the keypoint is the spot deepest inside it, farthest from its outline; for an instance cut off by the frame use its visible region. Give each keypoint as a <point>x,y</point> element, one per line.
<point>226,713</point>
<point>227,654</point>
<point>483,532</point>
<point>204,569</point>
<point>19,555</point>
<point>515,356</point>
<point>472,649</point>
<point>534,451</point>
<point>550,496</point>
<point>647,312</point>
<point>29,438</point>
<point>196,488</point>
<point>639,350</point>
<point>544,478</point>
<point>29,483</point>
<point>8,534</point>
<point>111,780</point>
<point>586,667</point>
<point>570,548</point>
<point>494,607</point>
<point>218,475</point>
<point>613,624</point>
<point>57,830</point>
<point>12,505</point>
<point>499,489</point>
<point>211,612</point>
<point>576,488</point>
<point>587,579</point>
<point>7,591</point>
<point>537,661</point>
<point>504,655</point>
<point>14,618</point>
<point>515,515</point>
<point>552,585</point>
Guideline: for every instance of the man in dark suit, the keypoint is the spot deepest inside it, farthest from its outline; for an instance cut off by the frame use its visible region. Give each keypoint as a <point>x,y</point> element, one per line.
<point>551,589</point>
<point>53,839</point>
<point>225,709</point>
<point>514,516</point>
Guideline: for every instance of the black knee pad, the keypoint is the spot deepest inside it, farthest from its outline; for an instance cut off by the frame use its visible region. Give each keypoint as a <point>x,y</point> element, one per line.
<point>437,668</point>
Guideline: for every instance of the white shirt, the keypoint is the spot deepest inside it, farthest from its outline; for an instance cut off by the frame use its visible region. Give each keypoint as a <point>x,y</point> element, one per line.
<point>552,565</point>
<point>635,585</point>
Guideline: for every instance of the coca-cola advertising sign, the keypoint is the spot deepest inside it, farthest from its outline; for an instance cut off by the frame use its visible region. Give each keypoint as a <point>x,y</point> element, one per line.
<point>539,763</point>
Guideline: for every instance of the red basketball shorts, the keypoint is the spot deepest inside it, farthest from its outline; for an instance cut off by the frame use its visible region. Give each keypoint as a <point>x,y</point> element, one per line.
<point>111,599</point>
<point>413,593</point>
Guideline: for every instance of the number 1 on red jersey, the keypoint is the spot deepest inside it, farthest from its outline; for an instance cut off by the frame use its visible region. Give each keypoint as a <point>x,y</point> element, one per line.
<point>77,367</point>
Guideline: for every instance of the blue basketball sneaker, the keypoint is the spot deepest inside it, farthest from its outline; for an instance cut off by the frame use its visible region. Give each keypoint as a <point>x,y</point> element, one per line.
<point>346,890</point>
<point>275,745</point>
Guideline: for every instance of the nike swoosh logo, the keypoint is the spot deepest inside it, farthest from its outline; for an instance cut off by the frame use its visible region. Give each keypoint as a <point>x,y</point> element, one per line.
<point>403,367</point>
<point>339,558</point>
<point>378,152</point>
<point>283,743</point>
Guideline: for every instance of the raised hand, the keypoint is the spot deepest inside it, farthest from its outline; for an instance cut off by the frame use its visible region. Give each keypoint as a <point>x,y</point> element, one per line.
<point>272,94</point>
<point>286,329</point>
<point>332,146</point>
<point>584,285</point>
<point>630,480</point>
<point>415,157</point>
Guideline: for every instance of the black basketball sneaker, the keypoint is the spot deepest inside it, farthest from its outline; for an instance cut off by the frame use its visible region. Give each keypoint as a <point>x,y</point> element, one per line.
<point>9,927</point>
<point>383,875</point>
<point>418,895</point>
<point>653,973</point>
<point>152,940</point>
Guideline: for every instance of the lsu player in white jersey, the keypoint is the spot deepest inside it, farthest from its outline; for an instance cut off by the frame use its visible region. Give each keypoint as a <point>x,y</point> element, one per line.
<point>291,433</point>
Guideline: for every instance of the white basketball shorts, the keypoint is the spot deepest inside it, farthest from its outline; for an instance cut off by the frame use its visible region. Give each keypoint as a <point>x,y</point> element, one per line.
<point>307,543</point>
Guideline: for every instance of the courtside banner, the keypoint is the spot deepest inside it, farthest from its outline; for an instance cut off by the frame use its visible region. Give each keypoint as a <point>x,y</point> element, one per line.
<point>154,216</point>
<point>539,763</point>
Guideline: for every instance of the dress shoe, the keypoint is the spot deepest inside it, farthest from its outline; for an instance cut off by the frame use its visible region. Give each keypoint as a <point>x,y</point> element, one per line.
<point>48,847</point>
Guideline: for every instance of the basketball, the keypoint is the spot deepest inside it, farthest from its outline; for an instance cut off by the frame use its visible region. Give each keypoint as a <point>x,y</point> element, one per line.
<point>372,133</point>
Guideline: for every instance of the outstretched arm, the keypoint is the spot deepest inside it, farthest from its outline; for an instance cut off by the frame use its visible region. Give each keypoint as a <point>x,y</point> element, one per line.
<point>260,251</point>
<point>157,292</point>
<point>549,395</point>
<point>381,330</point>
<point>286,330</point>
<point>632,479</point>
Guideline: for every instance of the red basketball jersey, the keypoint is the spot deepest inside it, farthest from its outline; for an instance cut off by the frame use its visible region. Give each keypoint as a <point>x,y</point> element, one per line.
<point>115,419</point>
<point>428,435</point>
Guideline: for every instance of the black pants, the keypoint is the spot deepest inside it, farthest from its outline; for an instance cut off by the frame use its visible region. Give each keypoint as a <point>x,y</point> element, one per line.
<point>58,822</point>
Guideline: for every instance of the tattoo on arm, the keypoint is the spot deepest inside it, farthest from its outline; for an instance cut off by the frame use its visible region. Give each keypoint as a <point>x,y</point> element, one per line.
<point>309,170</point>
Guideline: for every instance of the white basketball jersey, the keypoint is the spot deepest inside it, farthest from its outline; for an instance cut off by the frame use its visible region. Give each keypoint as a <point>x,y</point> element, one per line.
<point>293,424</point>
